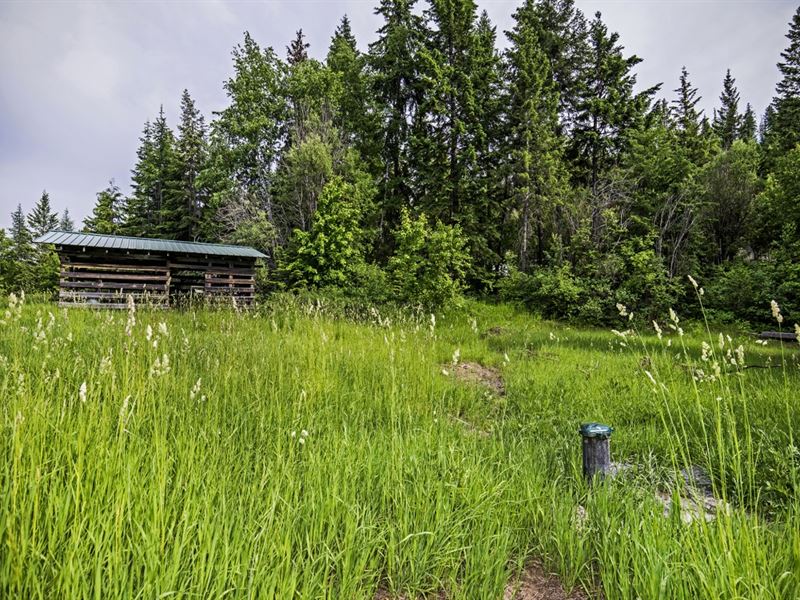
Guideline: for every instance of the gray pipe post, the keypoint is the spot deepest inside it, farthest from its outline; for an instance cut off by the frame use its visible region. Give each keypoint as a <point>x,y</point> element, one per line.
<point>596,450</point>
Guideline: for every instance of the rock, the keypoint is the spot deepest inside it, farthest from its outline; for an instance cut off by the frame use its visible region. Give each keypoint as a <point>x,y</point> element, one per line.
<point>697,480</point>
<point>691,509</point>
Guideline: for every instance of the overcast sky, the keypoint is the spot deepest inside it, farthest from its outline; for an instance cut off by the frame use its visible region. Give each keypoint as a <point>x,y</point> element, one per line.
<point>78,79</point>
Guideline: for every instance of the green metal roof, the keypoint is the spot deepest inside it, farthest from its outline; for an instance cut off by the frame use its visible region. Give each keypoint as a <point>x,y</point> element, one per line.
<point>137,244</point>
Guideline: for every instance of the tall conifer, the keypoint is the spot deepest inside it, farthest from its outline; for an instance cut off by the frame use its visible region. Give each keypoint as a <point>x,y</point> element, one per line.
<point>42,218</point>
<point>727,119</point>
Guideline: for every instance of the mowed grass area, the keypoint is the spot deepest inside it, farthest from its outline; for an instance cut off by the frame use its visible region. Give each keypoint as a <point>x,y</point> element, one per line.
<point>293,452</point>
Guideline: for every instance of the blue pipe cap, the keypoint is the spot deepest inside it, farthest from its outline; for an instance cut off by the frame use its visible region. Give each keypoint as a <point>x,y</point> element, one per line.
<point>596,430</point>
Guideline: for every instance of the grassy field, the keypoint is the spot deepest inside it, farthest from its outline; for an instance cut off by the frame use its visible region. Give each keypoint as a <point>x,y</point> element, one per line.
<point>300,452</point>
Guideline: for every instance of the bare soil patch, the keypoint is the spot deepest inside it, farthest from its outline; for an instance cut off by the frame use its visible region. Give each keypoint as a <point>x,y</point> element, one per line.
<point>535,584</point>
<point>495,331</point>
<point>473,372</point>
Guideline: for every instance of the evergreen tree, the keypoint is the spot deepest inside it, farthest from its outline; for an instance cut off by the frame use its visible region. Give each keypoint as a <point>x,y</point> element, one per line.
<point>766,125</point>
<point>534,149</point>
<point>563,37</point>
<point>688,119</point>
<point>747,128</point>
<point>7,265</point>
<point>459,70</point>
<point>153,181</point>
<point>443,144</point>
<point>727,120</point>
<point>784,132</point>
<point>297,51</point>
<point>186,204</point>
<point>20,252</point>
<point>356,118</point>
<point>393,59</point>
<point>106,215</point>
<point>20,235</point>
<point>42,219</point>
<point>486,181</point>
<point>607,107</point>
<point>66,223</point>
<point>685,111</point>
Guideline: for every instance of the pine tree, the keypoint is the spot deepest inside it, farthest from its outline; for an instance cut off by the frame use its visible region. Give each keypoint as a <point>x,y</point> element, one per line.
<point>20,253</point>
<point>297,51</point>
<point>66,223</point>
<point>187,202</point>
<point>20,235</point>
<point>486,182</point>
<point>765,127</point>
<point>153,180</point>
<point>106,216</point>
<point>607,107</point>
<point>458,69</point>
<point>356,118</point>
<point>785,125</point>
<point>687,116</point>
<point>42,219</point>
<point>533,147</point>
<point>747,128</point>
<point>446,124</point>
<point>727,119</point>
<point>690,124</point>
<point>563,38</point>
<point>393,59</point>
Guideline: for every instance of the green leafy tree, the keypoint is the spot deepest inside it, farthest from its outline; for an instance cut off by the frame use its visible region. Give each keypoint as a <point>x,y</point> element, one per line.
<point>330,252</point>
<point>730,184</point>
<point>106,215</point>
<point>246,137</point>
<point>727,120</point>
<point>313,147</point>
<point>42,219</point>
<point>429,264</point>
<point>777,211</point>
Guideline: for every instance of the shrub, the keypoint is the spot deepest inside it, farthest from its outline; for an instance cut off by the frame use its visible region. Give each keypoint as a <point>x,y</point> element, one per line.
<point>429,264</point>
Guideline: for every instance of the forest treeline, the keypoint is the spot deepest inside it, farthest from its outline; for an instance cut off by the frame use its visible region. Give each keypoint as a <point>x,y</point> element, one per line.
<point>433,163</point>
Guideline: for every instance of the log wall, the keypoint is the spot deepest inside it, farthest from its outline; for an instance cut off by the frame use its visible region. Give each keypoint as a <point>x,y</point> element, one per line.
<point>105,280</point>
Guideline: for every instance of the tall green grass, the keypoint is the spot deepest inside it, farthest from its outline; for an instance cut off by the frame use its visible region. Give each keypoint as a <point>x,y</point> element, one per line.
<point>326,455</point>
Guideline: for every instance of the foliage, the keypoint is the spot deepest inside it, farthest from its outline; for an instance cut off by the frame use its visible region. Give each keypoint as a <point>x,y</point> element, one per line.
<point>107,216</point>
<point>547,157</point>
<point>429,263</point>
<point>331,251</point>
